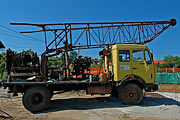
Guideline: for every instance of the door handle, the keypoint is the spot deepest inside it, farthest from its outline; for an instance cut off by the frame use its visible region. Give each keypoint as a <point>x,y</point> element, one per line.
<point>151,76</point>
<point>134,68</point>
<point>142,63</point>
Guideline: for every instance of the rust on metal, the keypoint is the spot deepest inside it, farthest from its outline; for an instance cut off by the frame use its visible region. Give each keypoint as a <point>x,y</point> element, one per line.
<point>131,94</point>
<point>99,90</point>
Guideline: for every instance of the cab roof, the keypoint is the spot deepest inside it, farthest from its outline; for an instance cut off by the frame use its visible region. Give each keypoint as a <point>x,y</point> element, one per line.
<point>129,46</point>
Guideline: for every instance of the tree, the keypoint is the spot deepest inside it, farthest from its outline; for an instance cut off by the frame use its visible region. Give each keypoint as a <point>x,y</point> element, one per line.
<point>29,52</point>
<point>177,62</point>
<point>2,63</point>
<point>59,60</point>
<point>171,61</point>
<point>72,56</point>
<point>55,61</point>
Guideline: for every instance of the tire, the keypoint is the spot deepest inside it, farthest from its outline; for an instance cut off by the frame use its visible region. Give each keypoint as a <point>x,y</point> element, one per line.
<point>36,99</point>
<point>51,94</point>
<point>131,94</point>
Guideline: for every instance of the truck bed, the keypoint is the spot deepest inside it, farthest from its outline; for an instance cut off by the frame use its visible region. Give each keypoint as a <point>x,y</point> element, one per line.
<point>56,85</point>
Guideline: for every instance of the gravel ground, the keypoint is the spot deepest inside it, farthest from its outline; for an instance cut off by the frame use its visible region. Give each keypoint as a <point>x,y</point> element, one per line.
<point>73,106</point>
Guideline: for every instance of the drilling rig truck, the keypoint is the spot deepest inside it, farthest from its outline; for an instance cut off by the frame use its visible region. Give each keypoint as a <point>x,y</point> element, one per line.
<point>128,63</point>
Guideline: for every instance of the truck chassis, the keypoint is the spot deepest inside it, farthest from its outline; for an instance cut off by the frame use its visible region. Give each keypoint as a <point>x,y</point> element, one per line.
<point>37,95</point>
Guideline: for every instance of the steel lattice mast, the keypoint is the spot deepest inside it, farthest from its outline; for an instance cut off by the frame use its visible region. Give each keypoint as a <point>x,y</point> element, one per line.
<point>72,36</point>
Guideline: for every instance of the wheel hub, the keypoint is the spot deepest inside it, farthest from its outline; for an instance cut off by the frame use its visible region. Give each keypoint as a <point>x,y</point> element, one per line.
<point>131,94</point>
<point>36,98</point>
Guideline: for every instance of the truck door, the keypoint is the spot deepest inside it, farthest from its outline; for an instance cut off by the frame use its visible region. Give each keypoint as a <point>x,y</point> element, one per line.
<point>139,64</point>
<point>149,68</point>
<point>124,64</point>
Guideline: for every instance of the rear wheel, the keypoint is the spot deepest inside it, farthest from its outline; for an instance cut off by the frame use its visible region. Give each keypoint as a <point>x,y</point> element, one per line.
<point>36,99</point>
<point>131,94</point>
<point>51,93</point>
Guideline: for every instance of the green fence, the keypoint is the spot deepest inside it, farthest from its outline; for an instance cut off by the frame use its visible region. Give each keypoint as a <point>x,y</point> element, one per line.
<point>168,78</point>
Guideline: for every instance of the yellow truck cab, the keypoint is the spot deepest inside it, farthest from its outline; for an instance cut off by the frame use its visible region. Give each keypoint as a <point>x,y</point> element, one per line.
<point>132,59</point>
<point>132,70</point>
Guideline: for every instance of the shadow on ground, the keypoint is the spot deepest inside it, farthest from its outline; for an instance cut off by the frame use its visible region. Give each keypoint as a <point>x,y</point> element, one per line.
<point>102,102</point>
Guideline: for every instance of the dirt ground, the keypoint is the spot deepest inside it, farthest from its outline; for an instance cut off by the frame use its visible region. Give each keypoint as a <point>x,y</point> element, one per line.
<point>175,88</point>
<point>78,106</point>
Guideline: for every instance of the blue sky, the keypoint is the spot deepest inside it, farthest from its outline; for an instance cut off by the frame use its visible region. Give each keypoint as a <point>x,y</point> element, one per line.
<point>59,11</point>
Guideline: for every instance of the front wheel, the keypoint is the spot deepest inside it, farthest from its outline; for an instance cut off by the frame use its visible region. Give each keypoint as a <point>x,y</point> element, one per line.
<point>36,98</point>
<point>131,94</point>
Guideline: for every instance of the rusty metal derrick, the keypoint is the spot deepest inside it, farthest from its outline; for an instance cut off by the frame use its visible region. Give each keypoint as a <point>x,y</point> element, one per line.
<point>64,37</point>
<point>72,36</point>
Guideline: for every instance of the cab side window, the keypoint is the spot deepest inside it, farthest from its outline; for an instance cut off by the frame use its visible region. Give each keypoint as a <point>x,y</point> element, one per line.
<point>147,57</point>
<point>138,55</point>
<point>124,56</point>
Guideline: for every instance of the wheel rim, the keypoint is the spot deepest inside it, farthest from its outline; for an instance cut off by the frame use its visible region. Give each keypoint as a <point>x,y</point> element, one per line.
<point>131,94</point>
<point>36,99</point>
